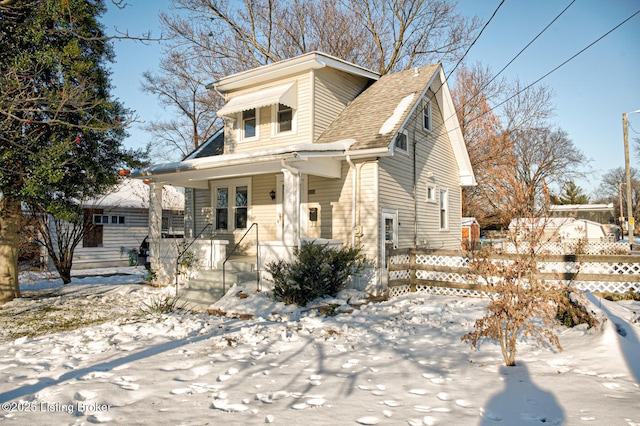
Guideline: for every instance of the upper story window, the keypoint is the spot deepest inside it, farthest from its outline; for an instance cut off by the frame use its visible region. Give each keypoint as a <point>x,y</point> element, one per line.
<point>284,119</point>
<point>426,116</point>
<point>402,141</point>
<point>249,127</point>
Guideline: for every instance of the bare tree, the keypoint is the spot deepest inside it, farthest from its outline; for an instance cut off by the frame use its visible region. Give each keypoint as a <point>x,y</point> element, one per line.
<point>516,154</point>
<point>612,189</point>
<point>490,152</point>
<point>210,39</point>
<point>181,84</point>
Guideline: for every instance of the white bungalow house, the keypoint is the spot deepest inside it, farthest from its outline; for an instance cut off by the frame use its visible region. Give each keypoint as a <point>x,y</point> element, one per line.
<point>121,223</point>
<point>316,148</point>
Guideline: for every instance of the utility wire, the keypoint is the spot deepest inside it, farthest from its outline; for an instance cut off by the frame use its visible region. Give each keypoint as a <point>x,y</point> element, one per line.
<point>476,39</point>
<point>509,63</point>
<point>568,60</point>
<point>550,72</point>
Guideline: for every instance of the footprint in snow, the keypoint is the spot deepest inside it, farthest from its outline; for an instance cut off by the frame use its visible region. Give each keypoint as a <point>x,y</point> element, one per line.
<point>443,396</point>
<point>611,386</point>
<point>368,420</point>
<point>223,405</point>
<point>84,395</point>
<point>462,403</point>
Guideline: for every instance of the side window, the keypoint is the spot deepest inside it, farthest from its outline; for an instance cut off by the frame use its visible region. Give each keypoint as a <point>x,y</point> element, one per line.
<point>402,141</point>
<point>444,209</point>
<point>431,192</point>
<point>426,116</point>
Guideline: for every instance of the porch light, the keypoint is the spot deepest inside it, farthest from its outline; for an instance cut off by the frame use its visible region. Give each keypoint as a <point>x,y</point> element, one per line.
<point>272,194</point>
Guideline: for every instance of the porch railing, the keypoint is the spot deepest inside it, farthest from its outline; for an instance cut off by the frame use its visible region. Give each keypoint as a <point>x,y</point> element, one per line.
<point>233,250</point>
<point>193,240</point>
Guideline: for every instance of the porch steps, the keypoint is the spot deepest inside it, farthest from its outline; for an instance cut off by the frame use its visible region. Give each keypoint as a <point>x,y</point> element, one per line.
<point>207,287</point>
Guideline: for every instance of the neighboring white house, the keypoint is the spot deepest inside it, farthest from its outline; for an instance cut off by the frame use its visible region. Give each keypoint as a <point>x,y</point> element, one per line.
<point>561,229</point>
<point>316,148</point>
<point>121,221</point>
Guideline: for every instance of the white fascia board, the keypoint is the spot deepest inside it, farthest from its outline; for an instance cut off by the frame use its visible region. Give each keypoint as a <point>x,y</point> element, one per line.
<point>452,126</point>
<point>278,70</point>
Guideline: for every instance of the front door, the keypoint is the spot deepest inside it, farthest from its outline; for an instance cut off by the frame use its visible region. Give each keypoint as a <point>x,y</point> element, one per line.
<point>388,242</point>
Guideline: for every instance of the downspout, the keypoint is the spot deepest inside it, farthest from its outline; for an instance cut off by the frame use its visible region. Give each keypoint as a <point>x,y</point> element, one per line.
<point>415,193</point>
<point>296,172</point>
<point>354,199</point>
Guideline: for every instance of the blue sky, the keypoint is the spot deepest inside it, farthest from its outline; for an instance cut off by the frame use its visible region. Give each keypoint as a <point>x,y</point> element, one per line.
<point>591,91</point>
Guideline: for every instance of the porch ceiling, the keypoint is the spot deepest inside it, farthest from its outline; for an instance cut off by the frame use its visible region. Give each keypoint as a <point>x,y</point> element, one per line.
<point>199,175</point>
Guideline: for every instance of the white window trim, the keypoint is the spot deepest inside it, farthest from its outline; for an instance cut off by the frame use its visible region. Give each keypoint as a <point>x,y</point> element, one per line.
<point>231,184</point>
<point>428,108</point>
<point>434,198</point>
<point>397,148</point>
<point>274,122</point>
<point>240,121</point>
<point>445,226</point>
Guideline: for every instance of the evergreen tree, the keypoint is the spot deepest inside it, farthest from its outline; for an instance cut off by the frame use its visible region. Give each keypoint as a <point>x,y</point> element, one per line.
<point>572,194</point>
<point>60,132</point>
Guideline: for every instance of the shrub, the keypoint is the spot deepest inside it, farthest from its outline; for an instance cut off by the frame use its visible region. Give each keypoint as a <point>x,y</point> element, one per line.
<point>571,312</point>
<point>317,271</point>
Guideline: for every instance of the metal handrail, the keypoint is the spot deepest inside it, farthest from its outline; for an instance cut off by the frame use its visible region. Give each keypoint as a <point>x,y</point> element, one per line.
<point>224,263</point>
<point>185,250</point>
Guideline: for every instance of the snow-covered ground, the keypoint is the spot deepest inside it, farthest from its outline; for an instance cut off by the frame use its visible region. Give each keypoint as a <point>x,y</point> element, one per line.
<point>399,362</point>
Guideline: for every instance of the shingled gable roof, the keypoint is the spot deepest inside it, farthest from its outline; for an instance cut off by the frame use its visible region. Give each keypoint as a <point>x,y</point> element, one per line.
<point>374,118</point>
<point>365,116</point>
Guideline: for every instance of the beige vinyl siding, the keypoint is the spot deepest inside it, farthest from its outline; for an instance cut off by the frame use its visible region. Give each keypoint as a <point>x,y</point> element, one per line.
<point>202,203</point>
<point>434,154</point>
<point>263,208</point>
<point>333,199</point>
<point>368,211</point>
<point>267,138</point>
<point>333,90</point>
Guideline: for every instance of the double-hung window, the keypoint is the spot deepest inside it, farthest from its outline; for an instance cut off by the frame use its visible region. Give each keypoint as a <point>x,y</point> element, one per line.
<point>240,209</point>
<point>231,202</point>
<point>249,124</point>
<point>285,119</point>
<point>426,116</point>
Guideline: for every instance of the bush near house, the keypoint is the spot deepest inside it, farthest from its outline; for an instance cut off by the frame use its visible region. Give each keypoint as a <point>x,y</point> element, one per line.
<point>317,271</point>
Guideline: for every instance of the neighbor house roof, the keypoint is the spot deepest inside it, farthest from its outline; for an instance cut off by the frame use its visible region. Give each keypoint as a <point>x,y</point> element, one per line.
<point>133,193</point>
<point>374,118</point>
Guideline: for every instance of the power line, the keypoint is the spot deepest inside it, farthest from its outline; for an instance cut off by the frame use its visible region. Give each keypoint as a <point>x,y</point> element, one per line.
<point>509,63</point>
<point>554,69</point>
<point>476,39</point>
<point>568,60</point>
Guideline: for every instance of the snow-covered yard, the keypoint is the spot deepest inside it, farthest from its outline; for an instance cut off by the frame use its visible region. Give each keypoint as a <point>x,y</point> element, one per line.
<point>399,362</point>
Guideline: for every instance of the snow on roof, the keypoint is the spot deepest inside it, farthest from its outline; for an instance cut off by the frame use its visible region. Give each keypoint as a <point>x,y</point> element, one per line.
<point>398,112</point>
<point>134,193</point>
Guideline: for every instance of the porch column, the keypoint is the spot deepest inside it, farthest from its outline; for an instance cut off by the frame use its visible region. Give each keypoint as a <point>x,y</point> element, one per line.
<point>291,205</point>
<point>155,224</point>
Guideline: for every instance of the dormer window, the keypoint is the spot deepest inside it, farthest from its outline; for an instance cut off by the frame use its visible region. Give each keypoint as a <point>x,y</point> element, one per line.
<point>285,118</point>
<point>249,124</point>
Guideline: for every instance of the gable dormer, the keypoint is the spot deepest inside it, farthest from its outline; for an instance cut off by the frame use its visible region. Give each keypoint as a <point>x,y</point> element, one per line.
<point>288,102</point>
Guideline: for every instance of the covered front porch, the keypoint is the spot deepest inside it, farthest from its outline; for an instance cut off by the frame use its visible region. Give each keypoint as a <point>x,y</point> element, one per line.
<point>252,206</point>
